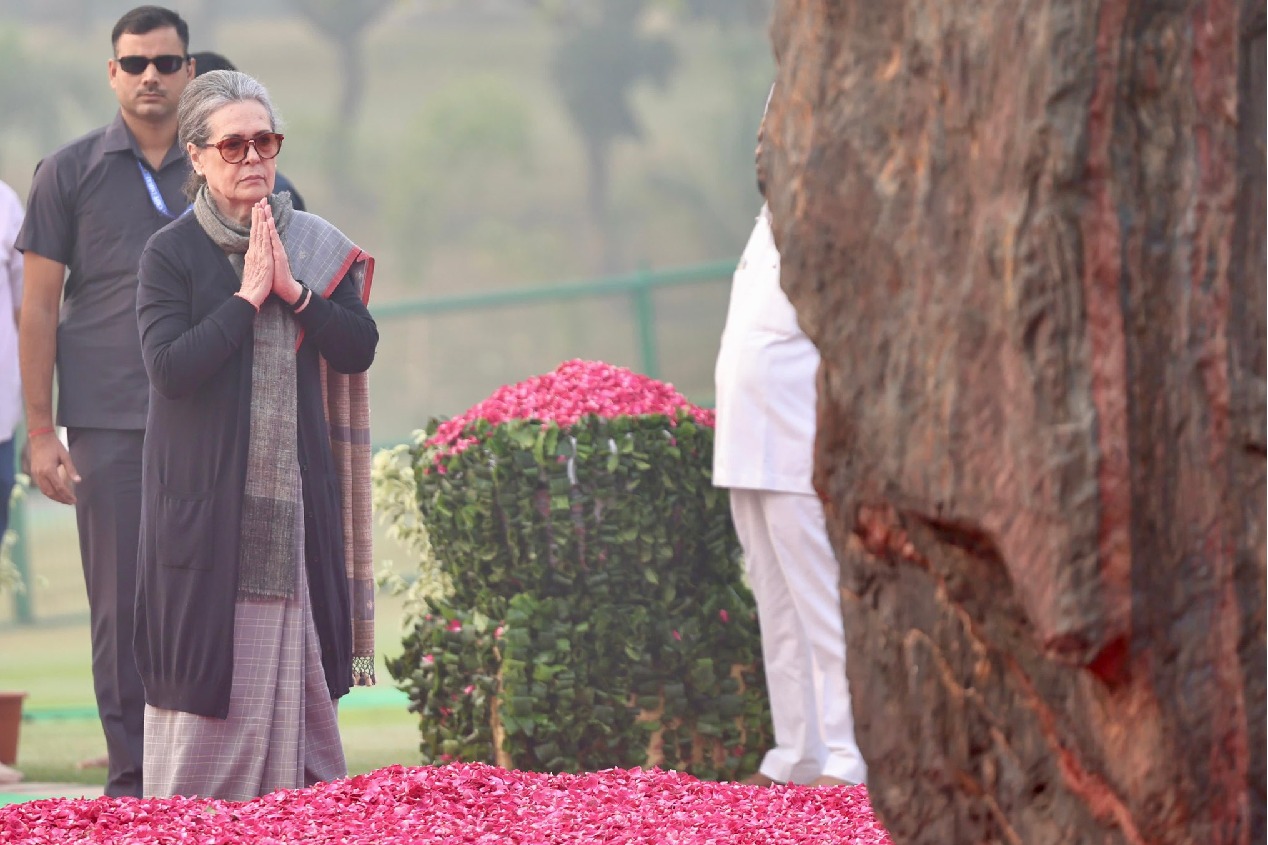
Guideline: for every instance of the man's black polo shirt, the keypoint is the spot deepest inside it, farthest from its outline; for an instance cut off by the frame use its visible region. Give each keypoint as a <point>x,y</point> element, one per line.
<point>90,209</point>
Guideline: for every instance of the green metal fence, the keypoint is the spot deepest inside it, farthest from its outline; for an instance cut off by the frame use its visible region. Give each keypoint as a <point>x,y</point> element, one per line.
<point>639,286</point>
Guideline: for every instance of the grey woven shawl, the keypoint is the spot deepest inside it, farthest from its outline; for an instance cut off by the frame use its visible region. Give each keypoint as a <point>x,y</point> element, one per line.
<point>269,542</point>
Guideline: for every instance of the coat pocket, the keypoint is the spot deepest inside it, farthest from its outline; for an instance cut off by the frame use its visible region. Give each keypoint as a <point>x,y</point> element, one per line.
<point>184,530</point>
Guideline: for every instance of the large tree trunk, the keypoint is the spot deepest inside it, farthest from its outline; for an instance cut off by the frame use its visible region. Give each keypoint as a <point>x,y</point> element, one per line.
<point>1028,239</point>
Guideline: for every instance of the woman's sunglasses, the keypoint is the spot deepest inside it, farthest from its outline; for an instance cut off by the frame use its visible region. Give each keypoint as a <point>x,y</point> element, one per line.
<point>234,150</point>
<point>136,65</point>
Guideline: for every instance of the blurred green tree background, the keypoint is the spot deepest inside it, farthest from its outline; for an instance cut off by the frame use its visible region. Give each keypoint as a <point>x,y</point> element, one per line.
<point>471,146</point>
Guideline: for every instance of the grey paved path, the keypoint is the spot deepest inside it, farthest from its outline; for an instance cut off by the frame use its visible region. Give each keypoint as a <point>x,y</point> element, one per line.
<point>16,793</point>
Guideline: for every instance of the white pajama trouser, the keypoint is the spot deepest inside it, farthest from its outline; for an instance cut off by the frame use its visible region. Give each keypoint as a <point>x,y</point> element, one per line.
<point>795,579</point>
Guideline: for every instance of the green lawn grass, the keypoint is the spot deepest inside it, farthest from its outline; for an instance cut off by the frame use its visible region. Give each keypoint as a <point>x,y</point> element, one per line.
<point>60,727</point>
<point>51,662</point>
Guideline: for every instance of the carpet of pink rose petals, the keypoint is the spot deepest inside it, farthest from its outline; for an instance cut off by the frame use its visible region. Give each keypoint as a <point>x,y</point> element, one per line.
<point>469,803</point>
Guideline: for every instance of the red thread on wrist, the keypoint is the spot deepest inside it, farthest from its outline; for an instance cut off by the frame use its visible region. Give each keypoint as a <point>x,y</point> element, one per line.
<point>39,432</point>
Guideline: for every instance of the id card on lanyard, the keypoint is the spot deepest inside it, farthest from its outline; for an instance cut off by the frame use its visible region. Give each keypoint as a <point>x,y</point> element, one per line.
<point>156,198</point>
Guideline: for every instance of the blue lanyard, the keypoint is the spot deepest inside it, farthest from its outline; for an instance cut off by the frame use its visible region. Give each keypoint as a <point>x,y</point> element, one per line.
<point>155,197</point>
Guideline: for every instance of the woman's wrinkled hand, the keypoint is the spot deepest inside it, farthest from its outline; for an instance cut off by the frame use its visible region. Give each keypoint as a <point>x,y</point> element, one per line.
<point>284,284</point>
<point>257,266</point>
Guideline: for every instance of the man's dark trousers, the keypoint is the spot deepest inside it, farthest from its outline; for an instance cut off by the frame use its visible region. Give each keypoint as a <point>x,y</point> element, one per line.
<point>108,511</point>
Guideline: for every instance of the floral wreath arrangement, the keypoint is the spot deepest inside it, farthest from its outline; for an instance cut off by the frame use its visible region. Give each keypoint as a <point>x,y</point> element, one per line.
<point>583,600</point>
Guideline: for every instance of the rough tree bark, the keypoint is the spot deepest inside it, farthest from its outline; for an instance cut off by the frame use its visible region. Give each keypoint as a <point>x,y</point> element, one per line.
<point>1028,239</point>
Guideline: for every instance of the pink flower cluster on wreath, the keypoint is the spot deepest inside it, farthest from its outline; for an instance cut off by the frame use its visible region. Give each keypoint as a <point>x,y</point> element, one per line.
<point>576,389</point>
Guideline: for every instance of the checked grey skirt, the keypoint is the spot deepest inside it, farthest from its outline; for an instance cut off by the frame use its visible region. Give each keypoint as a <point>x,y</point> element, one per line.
<point>282,731</point>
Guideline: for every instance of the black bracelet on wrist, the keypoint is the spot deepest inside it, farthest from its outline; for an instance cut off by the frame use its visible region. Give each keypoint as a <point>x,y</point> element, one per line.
<point>305,294</point>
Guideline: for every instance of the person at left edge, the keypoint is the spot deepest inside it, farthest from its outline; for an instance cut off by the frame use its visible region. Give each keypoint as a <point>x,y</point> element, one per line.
<point>10,307</point>
<point>93,204</point>
<point>10,394</point>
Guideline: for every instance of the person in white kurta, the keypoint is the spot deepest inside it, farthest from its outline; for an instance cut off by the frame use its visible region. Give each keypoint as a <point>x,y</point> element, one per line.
<point>764,453</point>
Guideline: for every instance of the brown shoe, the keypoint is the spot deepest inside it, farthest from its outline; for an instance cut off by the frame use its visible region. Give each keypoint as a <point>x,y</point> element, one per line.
<point>9,775</point>
<point>828,780</point>
<point>102,762</point>
<point>759,779</point>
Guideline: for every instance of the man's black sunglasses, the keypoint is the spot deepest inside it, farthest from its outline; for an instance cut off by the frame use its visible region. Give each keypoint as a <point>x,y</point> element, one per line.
<point>136,65</point>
